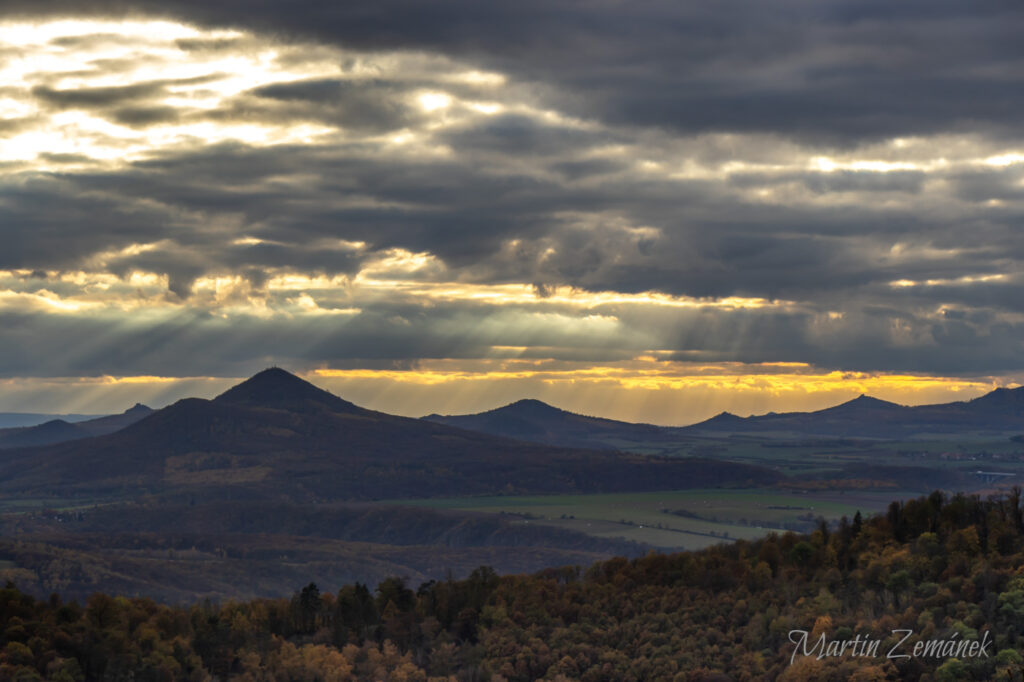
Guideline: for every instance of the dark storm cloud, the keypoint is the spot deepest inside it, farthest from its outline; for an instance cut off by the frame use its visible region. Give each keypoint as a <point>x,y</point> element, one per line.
<point>445,206</point>
<point>584,169</point>
<point>137,105</point>
<point>519,197</point>
<point>518,135</point>
<point>905,182</point>
<point>707,242</point>
<point>92,40</point>
<point>50,223</point>
<point>367,105</point>
<point>10,126</point>
<point>989,184</point>
<point>839,70</point>
<point>137,117</point>
<point>214,346</point>
<point>395,333</point>
<point>98,98</point>
<point>863,339</point>
<point>973,302</point>
<point>213,44</point>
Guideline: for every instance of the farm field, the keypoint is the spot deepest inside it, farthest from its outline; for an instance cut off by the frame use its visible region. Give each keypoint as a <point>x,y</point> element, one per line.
<point>15,505</point>
<point>803,453</point>
<point>805,458</point>
<point>676,520</point>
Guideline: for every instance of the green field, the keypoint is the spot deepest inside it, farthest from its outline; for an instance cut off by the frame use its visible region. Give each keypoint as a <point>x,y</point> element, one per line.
<point>778,446</point>
<point>711,516</point>
<point>17,505</point>
<point>797,455</point>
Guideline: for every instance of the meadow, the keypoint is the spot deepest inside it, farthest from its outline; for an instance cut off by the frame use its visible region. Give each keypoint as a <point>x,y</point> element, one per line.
<point>675,520</point>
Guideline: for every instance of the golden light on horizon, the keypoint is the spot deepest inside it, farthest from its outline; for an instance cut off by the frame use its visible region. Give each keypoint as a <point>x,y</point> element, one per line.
<point>227,180</point>
<point>636,390</point>
<point>641,390</point>
<point>647,372</point>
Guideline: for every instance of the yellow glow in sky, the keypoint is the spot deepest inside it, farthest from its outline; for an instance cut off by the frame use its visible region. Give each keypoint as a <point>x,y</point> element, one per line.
<point>641,390</point>
<point>98,96</point>
<point>966,279</point>
<point>432,101</point>
<point>377,280</point>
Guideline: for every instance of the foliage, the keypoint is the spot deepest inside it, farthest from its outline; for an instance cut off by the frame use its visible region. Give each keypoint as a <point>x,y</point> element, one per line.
<point>940,566</point>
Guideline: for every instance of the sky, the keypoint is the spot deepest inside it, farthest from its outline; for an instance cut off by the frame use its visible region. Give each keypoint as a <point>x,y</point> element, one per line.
<point>647,210</point>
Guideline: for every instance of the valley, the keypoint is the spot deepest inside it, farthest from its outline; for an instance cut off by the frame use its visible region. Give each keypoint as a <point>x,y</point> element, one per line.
<point>276,481</point>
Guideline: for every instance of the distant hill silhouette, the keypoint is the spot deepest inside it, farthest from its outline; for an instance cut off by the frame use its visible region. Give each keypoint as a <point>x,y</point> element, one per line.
<point>862,405</point>
<point>280,389</point>
<point>538,422</point>
<point>14,420</point>
<point>999,412</point>
<point>60,431</point>
<point>724,420</point>
<point>278,437</point>
<point>1002,401</point>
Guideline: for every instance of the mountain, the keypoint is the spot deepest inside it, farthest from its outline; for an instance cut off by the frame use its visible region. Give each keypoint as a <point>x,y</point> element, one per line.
<point>724,420</point>
<point>1002,401</point>
<point>998,412</point>
<point>12,420</point>
<point>538,422</point>
<point>272,483</point>
<point>55,431</point>
<point>277,437</point>
<point>276,388</point>
<point>59,430</point>
<point>862,405</point>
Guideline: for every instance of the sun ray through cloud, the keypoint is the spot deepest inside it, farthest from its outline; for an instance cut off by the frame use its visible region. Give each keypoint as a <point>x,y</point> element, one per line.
<point>322,199</point>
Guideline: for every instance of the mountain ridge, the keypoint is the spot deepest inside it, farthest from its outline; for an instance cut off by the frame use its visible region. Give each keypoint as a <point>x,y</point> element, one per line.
<point>15,420</point>
<point>275,387</point>
<point>999,411</point>
<point>252,442</point>
<point>59,431</point>
<point>536,421</point>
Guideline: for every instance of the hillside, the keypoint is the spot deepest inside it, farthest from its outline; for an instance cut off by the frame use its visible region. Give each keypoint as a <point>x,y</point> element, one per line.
<point>240,496</point>
<point>13,420</point>
<point>382,524</point>
<point>278,437</point>
<point>47,433</point>
<point>940,570</point>
<point>1000,412</point>
<point>60,431</point>
<point>538,422</point>
<point>239,550</point>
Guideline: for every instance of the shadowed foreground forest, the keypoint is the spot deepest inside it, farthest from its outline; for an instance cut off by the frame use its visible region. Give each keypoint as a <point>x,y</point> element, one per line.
<point>949,568</point>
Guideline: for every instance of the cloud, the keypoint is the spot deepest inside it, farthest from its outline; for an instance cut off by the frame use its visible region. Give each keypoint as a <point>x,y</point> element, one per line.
<point>99,98</point>
<point>838,71</point>
<point>319,186</point>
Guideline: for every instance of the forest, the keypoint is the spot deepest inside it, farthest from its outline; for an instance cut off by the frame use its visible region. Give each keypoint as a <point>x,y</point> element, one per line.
<point>941,566</point>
